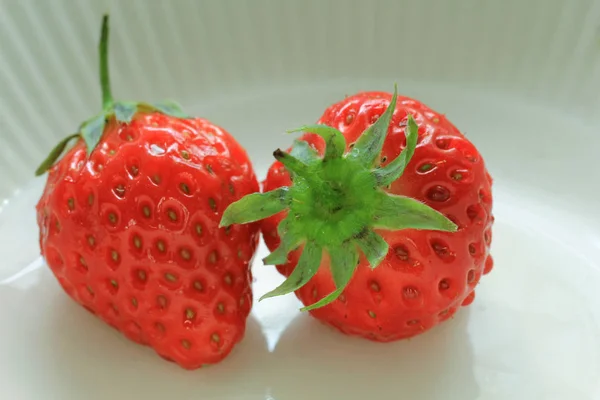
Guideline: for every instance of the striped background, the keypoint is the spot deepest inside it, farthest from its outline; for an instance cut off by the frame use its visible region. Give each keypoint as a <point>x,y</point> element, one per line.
<point>548,50</point>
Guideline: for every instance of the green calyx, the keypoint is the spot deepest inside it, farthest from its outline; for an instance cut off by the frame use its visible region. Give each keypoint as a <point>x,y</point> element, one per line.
<point>336,203</point>
<point>91,130</point>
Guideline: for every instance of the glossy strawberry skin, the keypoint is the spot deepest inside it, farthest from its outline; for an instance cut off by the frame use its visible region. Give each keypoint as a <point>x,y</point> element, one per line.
<point>427,275</point>
<point>132,234</point>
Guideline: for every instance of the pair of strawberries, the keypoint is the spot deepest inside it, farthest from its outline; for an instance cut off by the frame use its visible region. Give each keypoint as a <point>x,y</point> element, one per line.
<point>380,217</point>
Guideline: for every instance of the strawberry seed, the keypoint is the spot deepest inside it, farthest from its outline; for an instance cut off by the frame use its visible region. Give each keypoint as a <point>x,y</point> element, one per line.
<point>438,193</point>
<point>198,286</point>
<point>142,275</point>
<point>401,252</point>
<point>162,301</point>
<point>137,242</point>
<point>410,292</point>
<point>215,337</point>
<point>443,285</point>
<point>185,254</point>
<point>349,119</point>
<point>471,276</point>
<point>119,191</point>
<point>212,203</point>
<point>190,314</point>
<point>184,188</point>
<point>472,249</point>
<point>375,286</point>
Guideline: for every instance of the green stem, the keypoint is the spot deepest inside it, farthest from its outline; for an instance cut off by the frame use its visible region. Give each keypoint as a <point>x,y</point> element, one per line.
<point>92,130</point>
<point>107,99</point>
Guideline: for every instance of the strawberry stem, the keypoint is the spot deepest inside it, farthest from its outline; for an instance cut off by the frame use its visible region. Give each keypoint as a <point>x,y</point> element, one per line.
<point>107,99</point>
<point>92,129</point>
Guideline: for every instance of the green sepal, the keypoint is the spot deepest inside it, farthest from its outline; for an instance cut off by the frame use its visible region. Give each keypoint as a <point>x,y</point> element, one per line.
<point>399,212</point>
<point>335,144</point>
<point>255,206</point>
<point>291,163</point>
<point>307,267</point>
<point>92,130</point>
<point>373,246</point>
<point>289,241</point>
<point>279,256</point>
<point>54,154</point>
<point>125,110</point>
<point>369,144</point>
<point>388,174</point>
<point>303,152</point>
<point>343,261</point>
<point>171,108</point>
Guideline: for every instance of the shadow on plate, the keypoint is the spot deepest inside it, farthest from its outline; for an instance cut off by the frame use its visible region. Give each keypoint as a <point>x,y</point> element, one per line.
<point>323,364</point>
<point>65,353</point>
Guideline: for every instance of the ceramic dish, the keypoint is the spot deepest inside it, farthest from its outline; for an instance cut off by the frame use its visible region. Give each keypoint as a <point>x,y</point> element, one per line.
<point>520,78</point>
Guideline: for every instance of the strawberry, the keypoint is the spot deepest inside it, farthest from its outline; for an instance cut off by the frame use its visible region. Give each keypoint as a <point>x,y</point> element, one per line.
<point>129,226</point>
<point>390,177</point>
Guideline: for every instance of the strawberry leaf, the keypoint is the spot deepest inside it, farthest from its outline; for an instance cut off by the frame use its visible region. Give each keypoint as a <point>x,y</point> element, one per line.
<point>171,108</point>
<point>369,144</point>
<point>388,174</point>
<point>307,267</point>
<point>373,246</point>
<point>91,132</point>
<point>291,163</point>
<point>255,206</point>
<point>124,111</point>
<point>289,242</point>
<point>279,256</point>
<point>344,260</point>
<point>303,152</point>
<point>399,212</point>
<point>334,140</point>
<point>54,154</point>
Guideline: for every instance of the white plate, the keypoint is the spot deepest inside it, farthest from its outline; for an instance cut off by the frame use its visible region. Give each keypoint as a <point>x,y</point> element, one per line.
<point>525,97</point>
<point>532,332</point>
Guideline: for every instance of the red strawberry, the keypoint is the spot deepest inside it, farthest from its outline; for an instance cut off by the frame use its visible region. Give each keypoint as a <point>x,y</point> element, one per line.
<point>370,199</point>
<point>129,226</point>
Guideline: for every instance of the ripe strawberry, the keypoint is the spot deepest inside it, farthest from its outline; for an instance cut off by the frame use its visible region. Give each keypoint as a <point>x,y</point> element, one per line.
<point>129,226</point>
<point>371,198</point>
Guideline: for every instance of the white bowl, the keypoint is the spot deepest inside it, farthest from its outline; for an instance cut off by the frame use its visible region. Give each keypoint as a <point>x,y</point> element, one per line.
<point>521,78</point>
